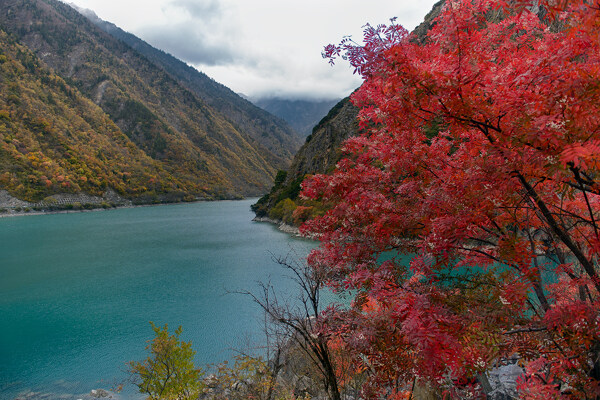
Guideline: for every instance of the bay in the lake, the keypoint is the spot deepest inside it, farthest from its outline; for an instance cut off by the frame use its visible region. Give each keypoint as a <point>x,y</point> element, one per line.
<point>77,290</point>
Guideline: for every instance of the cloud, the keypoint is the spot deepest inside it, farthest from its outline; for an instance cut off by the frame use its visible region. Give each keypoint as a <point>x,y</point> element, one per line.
<point>259,47</point>
<point>201,9</point>
<point>194,31</point>
<point>190,44</point>
<point>320,82</point>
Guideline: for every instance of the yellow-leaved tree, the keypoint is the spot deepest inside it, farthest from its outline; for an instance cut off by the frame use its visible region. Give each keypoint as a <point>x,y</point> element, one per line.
<point>168,373</point>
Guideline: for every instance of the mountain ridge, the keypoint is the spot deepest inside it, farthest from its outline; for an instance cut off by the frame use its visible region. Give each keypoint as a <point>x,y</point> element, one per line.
<point>319,155</point>
<point>201,153</point>
<point>209,90</point>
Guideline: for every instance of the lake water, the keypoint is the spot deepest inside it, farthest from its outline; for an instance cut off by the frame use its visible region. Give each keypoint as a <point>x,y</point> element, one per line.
<point>77,290</point>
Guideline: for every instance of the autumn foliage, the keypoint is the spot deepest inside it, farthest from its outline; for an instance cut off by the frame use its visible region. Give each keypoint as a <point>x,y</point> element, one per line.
<point>465,216</point>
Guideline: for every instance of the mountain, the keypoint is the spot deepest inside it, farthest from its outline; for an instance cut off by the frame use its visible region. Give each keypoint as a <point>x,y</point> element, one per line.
<point>136,111</point>
<point>271,132</point>
<point>321,151</point>
<point>319,155</point>
<point>302,115</point>
<point>53,139</point>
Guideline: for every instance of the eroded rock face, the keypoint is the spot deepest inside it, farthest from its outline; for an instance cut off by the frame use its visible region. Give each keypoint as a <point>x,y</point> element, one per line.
<point>60,201</point>
<point>8,201</point>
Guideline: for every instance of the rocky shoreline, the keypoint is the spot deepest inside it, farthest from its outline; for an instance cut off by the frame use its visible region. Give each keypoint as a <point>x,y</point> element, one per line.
<point>282,226</point>
<point>61,203</point>
<point>94,394</point>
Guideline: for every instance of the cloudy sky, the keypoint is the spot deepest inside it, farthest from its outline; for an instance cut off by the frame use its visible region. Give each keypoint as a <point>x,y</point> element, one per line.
<point>259,47</point>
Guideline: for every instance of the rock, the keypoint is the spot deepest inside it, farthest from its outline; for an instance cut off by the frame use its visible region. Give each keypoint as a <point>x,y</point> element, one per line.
<point>282,226</point>
<point>503,381</point>
<point>211,381</point>
<point>292,230</point>
<point>99,393</point>
<point>7,201</point>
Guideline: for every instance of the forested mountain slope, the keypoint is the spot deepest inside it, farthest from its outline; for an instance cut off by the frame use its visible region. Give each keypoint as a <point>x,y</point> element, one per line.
<point>196,149</point>
<point>55,140</point>
<point>318,155</point>
<point>269,131</point>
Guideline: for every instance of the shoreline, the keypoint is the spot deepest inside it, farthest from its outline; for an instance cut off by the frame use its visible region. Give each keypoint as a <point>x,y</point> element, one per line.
<point>12,213</point>
<point>68,203</point>
<point>282,226</point>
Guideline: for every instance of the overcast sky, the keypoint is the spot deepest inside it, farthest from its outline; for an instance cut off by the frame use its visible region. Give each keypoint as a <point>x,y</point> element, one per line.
<point>259,47</point>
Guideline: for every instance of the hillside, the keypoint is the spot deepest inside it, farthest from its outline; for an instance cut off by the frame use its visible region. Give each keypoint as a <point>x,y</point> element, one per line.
<point>54,140</point>
<point>270,132</point>
<point>318,155</point>
<point>180,137</point>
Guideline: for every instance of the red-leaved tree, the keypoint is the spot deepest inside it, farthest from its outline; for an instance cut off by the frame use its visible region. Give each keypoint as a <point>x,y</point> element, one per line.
<point>465,216</point>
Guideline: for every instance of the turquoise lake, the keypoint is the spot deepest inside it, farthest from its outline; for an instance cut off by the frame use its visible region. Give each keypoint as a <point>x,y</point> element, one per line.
<point>77,290</point>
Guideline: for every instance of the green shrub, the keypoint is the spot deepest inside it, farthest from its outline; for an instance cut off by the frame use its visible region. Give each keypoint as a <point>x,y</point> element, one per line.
<point>168,372</point>
<point>283,211</point>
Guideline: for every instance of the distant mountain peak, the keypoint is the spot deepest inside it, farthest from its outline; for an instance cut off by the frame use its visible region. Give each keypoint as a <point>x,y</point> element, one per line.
<point>301,114</point>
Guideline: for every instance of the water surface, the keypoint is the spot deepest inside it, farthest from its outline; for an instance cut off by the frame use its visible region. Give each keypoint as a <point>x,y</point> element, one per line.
<point>77,290</point>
